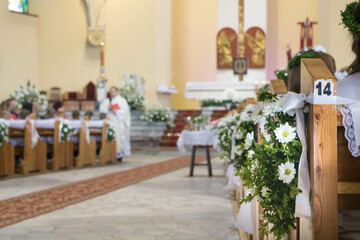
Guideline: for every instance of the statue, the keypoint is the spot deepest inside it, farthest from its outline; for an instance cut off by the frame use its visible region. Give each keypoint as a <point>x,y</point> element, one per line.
<point>226,48</point>
<point>96,21</point>
<point>255,47</point>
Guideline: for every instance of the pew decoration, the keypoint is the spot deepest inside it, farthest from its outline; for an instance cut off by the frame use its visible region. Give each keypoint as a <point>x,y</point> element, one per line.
<point>4,132</point>
<point>110,132</point>
<point>269,170</point>
<point>267,162</point>
<point>29,95</point>
<point>65,131</point>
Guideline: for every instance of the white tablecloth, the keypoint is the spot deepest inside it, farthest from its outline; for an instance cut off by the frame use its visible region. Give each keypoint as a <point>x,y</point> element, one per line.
<point>197,138</point>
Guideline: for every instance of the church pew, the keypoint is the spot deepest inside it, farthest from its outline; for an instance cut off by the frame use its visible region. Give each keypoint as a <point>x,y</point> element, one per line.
<point>335,182</point>
<point>107,148</point>
<point>87,151</point>
<point>7,160</point>
<point>34,159</point>
<point>63,152</point>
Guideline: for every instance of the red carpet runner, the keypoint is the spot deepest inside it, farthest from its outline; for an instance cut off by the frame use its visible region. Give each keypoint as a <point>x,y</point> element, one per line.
<point>17,209</point>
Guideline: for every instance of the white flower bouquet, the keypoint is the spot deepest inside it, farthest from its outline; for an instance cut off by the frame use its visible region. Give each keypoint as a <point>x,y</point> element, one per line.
<point>4,132</point>
<point>156,114</point>
<point>66,131</point>
<point>110,132</point>
<point>29,95</point>
<point>133,97</point>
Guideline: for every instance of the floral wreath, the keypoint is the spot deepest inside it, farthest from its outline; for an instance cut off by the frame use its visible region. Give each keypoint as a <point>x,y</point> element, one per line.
<point>349,20</point>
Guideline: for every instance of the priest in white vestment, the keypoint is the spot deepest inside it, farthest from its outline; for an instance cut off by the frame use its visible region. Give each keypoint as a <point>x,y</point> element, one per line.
<point>117,109</point>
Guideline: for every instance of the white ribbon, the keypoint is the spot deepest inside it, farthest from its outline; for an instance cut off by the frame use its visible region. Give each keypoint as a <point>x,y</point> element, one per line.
<point>34,134</point>
<point>87,132</point>
<point>296,102</point>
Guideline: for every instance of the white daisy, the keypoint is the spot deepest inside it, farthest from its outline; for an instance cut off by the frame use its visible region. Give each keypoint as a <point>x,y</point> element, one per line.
<point>248,140</point>
<point>251,154</point>
<point>254,166</point>
<point>252,191</point>
<point>271,108</point>
<point>285,133</point>
<point>265,191</point>
<point>286,172</point>
<point>239,135</point>
<point>257,113</point>
<point>238,151</point>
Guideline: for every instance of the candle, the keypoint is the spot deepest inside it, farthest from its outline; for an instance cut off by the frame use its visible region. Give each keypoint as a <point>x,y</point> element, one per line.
<point>102,53</point>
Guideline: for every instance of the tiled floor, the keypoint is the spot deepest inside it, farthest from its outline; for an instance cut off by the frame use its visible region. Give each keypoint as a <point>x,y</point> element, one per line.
<point>171,206</point>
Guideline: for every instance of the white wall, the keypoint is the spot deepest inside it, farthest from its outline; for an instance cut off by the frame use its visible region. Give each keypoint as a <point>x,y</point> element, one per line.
<point>255,15</point>
<point>18,50</point>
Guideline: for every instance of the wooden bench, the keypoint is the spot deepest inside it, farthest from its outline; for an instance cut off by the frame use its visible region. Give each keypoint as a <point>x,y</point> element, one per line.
<point>7,160</point>
<point>334,172</point>
<point>63,152</point>
<point>34,159</point>
<point>87,150</point>
<point>107,148</point>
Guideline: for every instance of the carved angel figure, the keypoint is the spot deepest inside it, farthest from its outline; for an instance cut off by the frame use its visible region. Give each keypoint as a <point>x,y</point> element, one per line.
<point>224,49</point>
<point>257,45</point>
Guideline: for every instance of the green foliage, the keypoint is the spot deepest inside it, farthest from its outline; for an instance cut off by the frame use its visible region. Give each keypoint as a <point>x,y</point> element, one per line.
<point>219,103</point>
<point>295,61</point>
<point>349,20</point>
<point>156,114</point>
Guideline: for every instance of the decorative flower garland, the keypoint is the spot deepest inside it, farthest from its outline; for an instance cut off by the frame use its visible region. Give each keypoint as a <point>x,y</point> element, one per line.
<point>110,132</point>
<point>29,95</point>
<point>157,114</point>
<point>66,131</point>
<point>269,169</point>
<point>349,20</point>
<point>4,132</point>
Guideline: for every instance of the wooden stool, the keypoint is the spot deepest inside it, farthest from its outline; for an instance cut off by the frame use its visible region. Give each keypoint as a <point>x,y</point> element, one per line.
<point>193,164</point>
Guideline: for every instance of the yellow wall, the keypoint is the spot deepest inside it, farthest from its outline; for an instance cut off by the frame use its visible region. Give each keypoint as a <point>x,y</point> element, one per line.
<point>283,16</point>
<point>68,61</point>
<point>332,36</point>
<point>18,50</point>
<point>193,46</point>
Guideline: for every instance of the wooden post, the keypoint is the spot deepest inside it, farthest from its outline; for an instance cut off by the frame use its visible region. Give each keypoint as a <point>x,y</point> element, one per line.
<point>7,159</point>
<point>87,151</point>
<point>323,153</point>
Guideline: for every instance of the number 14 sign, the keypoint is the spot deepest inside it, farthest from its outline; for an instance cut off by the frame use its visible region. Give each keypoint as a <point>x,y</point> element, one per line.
<point>323,88</point>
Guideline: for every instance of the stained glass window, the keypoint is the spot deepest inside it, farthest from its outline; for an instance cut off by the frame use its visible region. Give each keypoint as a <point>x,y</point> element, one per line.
<point>20,6</point>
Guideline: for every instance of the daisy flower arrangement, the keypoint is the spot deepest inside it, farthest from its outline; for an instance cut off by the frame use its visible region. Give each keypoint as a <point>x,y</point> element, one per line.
<point>269,168</point>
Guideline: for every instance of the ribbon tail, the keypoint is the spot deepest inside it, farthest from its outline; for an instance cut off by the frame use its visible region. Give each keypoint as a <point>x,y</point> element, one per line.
<point>302,204</point>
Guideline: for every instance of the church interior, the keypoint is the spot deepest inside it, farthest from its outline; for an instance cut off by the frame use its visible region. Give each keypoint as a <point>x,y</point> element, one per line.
<point>180,119</point>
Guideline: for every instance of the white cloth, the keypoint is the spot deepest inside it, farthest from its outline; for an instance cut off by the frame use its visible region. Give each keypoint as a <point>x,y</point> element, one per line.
<point>349,87</point>
<point>233,181</point>
<point>20,124</point>
<point>246,219</point>
<point>196,138</point>
<point>121,121</point>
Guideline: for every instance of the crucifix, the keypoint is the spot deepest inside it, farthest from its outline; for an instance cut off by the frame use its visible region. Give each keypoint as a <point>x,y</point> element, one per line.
<point>306,33</point>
